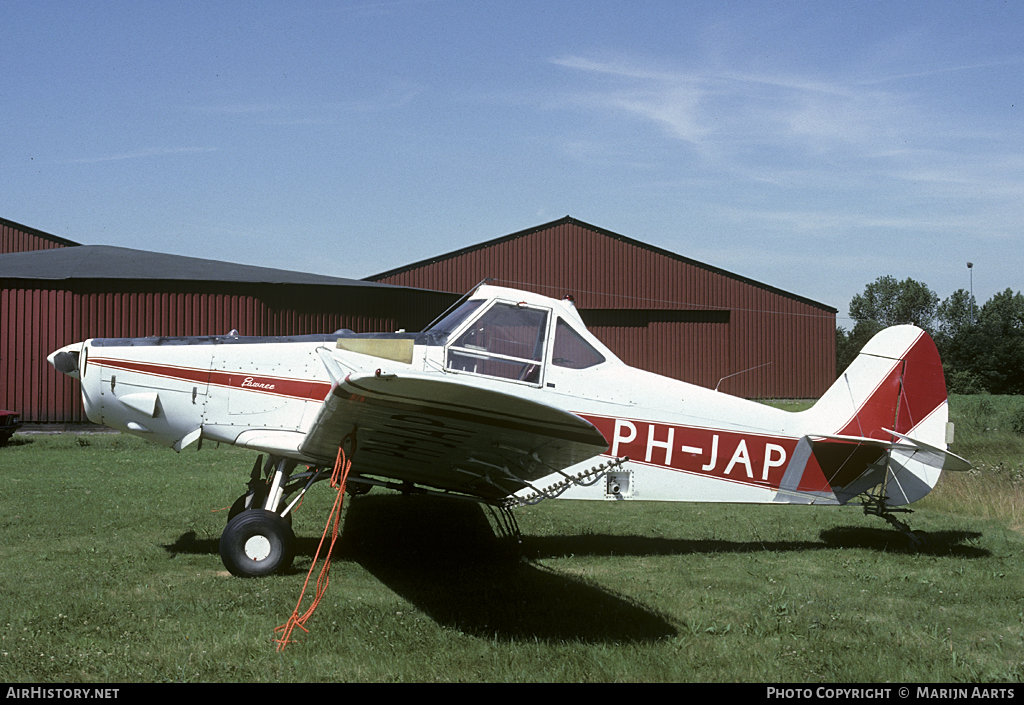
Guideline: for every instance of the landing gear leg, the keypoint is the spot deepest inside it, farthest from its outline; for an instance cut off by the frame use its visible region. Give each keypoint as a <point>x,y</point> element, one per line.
<point>875,505</point>
<point>265,494</point>
<point>257,494</point>
<point>278,480</point>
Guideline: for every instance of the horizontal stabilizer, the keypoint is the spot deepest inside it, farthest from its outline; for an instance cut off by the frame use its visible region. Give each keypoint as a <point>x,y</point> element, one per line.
<point>924,453</point>
<point>935,457</point>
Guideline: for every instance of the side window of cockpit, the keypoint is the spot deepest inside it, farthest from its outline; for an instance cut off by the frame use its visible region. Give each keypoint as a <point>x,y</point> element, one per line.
<point>572,350</point>
<point>507,341</point>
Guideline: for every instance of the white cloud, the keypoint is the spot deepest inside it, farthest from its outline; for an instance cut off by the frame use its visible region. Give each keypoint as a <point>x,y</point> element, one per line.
<point>737,112</point>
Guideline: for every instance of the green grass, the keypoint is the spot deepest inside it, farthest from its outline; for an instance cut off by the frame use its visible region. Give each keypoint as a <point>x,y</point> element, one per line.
<point>110,573</point>
<point>989,433</point>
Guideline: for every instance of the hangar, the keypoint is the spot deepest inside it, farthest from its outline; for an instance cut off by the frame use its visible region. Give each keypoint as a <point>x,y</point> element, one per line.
<point>656,309</point>
<point>58,292</point>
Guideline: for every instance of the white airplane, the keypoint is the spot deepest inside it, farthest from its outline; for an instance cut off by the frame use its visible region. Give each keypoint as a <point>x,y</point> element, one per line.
<point>509,400</point>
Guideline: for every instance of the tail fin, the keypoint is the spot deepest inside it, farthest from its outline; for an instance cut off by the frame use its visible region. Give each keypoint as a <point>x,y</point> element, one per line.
<point>884,421</point>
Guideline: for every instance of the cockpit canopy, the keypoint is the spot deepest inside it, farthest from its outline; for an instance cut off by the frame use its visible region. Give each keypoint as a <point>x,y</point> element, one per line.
<point>513,340</point>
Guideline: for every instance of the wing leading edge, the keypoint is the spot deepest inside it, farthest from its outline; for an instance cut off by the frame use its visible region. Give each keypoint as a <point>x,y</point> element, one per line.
<point>449,435</point>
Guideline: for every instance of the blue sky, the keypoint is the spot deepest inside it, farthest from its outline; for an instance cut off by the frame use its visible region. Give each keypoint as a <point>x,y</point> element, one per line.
<point>813,146</point>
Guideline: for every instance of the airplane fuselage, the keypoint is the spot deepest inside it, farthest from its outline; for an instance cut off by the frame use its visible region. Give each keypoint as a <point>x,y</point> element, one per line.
<point>683,442</point>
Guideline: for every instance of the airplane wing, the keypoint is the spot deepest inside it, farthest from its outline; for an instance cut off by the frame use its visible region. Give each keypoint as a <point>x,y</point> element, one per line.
<point>446,434</point>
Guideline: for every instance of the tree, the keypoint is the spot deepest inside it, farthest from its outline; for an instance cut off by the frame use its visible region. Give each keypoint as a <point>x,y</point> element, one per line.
<point>889,303</point>
<point>955,337</point>
<point>955,315</point>
<point>982,349</point>
<point>998,343</point>
<point>958,342</point>
<point>885,302</point>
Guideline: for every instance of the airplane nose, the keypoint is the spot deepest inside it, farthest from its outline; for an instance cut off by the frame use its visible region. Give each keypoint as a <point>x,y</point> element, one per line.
<point>65,360</point>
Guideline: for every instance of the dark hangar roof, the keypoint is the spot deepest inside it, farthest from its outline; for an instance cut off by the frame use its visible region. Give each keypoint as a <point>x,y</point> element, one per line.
<point>607,233</point>
<point>106,262</point>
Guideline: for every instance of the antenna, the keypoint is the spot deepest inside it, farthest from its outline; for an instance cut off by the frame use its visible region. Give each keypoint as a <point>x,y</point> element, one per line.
<point>740,373</point>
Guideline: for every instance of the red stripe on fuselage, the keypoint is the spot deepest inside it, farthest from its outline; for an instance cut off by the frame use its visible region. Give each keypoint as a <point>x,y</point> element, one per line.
<point>751,459</point>
<point>909,393</point>
<point>187,374</point>
<point>278,386</point>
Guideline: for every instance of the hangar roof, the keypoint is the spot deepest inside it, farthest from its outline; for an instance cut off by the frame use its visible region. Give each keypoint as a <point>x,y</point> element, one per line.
<point>106,262</point>
<point>609,234</point>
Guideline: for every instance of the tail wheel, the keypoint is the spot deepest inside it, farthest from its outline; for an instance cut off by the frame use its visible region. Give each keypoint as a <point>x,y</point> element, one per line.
<point>257,543</point>
<point>919,540</point>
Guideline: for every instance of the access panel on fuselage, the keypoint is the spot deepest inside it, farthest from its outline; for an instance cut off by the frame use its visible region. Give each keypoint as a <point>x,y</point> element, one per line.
<point>265,385</point>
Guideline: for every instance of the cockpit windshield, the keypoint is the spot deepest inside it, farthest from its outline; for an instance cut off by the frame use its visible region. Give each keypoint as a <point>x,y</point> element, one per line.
<point>506,341</point>
<point>452,321</point>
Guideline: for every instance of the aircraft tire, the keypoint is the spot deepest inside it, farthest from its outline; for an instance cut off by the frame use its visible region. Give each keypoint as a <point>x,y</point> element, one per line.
<point>257,543</point>
<point>920,540</point>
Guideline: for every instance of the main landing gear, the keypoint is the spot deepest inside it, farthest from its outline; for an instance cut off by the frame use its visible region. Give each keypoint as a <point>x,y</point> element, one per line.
<point>258,539</point>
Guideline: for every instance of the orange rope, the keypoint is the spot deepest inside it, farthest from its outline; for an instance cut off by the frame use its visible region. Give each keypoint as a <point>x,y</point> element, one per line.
<point>338,478</point>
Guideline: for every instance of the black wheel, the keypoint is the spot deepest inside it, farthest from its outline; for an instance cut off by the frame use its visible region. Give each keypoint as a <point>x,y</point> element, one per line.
<point>257,543</point>
<point>919,540</point>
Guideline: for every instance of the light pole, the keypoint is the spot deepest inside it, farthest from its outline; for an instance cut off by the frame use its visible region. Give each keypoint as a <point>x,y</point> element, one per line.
<point>970,269</point>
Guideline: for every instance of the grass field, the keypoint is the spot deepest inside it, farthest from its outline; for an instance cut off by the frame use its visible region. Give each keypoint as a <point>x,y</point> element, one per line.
<point>110,573</point>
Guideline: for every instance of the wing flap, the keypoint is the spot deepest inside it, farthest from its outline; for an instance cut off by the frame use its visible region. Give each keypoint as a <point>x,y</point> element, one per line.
<point>449,435</point>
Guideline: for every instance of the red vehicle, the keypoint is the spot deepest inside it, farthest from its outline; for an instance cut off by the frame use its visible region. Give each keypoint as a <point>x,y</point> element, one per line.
<point>10,421</point>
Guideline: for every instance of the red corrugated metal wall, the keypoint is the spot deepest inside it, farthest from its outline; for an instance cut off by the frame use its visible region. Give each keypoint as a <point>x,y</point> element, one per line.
<point>783,345</point>
<point>19,238</point>
<point>39,318</point>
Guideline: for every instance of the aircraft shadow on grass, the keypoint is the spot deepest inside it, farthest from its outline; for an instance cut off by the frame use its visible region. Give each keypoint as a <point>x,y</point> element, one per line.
<point>940,543</point>
<point>444,557</point>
